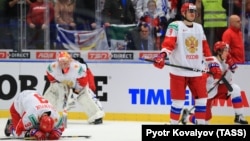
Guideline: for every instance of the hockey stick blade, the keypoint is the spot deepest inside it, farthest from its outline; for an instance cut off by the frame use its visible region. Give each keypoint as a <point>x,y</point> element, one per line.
<point>11,138</point>
<point>77,136</point>
<point>18,138</point>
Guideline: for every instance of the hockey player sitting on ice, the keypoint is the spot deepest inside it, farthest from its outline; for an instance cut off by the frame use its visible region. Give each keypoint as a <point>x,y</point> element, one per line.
<point>33,117</point>
<point>69,82</point>
<point>223,64</point>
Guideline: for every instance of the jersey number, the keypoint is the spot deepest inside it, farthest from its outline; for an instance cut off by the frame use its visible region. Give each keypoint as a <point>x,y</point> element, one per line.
<point>40,98</point>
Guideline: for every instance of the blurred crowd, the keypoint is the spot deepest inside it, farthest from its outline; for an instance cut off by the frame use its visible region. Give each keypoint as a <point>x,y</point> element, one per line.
<point>31,24</point>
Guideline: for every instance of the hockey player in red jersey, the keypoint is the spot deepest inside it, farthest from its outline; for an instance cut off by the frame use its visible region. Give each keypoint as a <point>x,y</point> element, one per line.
<point>219,64</point>
<point>185,44</point>
<point>33,116</point>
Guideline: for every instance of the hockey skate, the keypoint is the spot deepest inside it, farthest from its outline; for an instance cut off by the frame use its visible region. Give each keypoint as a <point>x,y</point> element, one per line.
<point>8,128</point>
<point>97,121</point>
<point>239,119</point>
<point>184,116</point>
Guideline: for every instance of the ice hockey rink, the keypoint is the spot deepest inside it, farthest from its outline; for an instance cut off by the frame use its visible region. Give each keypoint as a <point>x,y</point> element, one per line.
<point>108,131</point>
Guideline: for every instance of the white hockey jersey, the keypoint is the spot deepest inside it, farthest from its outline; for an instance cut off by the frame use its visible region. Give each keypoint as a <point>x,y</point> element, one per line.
<point>30,105</point>
<point>210,80</point>
<point>188,50</point>
<point>76,71</point>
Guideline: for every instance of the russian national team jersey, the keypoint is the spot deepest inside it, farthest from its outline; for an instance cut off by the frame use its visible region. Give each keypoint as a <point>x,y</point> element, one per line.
<point>76,70</point>
<point>30,105</point>
<point>210,80</point>
<point>188,50</point>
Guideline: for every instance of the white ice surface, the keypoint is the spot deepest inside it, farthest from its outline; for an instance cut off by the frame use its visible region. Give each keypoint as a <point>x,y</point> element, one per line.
<point>108,131</point>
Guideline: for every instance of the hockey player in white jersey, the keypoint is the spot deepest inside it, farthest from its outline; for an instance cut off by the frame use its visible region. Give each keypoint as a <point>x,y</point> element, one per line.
<point>219,64</point>
<point>69,83</point>
<point>185,44</point>
<point>33,116</point>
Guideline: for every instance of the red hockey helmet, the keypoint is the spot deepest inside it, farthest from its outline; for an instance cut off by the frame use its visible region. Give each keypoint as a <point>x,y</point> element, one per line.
<point>188,6</point>
<point>64,59</point>
<point>220,46</point>
<point>46,123</point>
<point>63,55</point>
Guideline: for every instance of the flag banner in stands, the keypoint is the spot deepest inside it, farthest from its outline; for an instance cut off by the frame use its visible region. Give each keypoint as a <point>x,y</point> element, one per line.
<point>117,35</point>
<point>82,40</point>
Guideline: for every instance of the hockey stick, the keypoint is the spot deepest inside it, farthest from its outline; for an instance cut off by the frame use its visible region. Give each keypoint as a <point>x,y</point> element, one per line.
<point>77,136</point>
<point>172,65</point>
<point>32,138</point>
<point>65,114</point>
<point>67,105</point>
<point>65,110</point>
<point>229,87</point>
<point>65,117</point>
<point>217,83</point>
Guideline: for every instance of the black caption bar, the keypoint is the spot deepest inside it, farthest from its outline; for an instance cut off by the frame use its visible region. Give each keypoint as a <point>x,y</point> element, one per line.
<point>195,132</point>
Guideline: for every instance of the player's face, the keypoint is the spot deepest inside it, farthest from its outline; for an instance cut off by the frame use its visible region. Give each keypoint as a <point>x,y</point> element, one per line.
<point>190,14</point>
<point>64,64</point>
<point>225,53</point>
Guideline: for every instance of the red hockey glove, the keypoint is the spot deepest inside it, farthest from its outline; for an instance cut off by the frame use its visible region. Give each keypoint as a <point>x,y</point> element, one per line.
<point>39,135</point>
<point>159,61</point>
<point>55,134</point>
<point>215,69</point>
<point>232,65</point>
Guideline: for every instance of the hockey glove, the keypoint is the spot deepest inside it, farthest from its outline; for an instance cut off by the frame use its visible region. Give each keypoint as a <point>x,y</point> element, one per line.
<point>232,65</point>
<point>55,134</point>
<point>159,61</point>
<point>39,135</point>
<point>215,69</point>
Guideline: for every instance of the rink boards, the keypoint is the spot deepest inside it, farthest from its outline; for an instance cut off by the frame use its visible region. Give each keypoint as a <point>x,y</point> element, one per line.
<point>128,91</point>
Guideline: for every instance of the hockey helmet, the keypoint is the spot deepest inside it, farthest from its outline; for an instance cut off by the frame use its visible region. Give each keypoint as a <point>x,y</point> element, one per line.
<point>64,56</point>
<point>220,46</point>
<point>188,6</point>
<point>46,123</point>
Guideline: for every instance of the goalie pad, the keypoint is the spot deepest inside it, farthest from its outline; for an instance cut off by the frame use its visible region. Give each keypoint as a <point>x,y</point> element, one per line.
<point>56,94</point>
<point>91,104</point>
